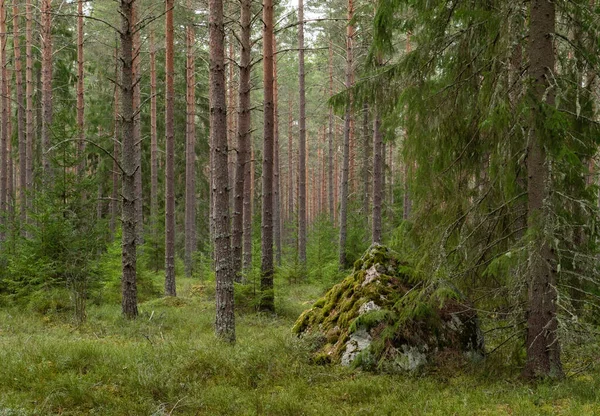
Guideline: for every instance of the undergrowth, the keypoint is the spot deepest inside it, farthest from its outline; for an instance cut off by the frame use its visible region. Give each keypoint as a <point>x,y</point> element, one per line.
<point>167,362</point>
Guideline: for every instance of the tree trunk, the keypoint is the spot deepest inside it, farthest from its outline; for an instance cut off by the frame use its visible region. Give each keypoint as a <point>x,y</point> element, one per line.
<point>20,115</point>
<point>190,152</point>
<point>377,178</point>
<point>170,289</point>
<point>29,129</point>
<point>346,158</point>
<point>153,143</point>
<point>367,140</point>
<point>266,269</point>
<point>114,206</point>
<point>128,164</point>
<point>137,128</point>
<point>543,349</point>
<point>225,318</point>
<point>290,161</point>
<point>276,167</point>
<point>301,140</point>
<point>5,133</point>
<point>331,134</point>
<point>46,90</point>
<point>80,89</point>
<point>241,206</point>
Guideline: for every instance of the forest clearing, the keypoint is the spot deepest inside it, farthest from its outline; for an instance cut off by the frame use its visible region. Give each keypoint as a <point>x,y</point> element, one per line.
<point>252,207</point>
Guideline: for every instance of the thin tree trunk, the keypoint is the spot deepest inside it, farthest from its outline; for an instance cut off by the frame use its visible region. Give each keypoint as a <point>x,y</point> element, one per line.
<point>128,164</point>
<point>5,133</point>
<point>225,318</point>
<point>377,178</point>
<point>331,134</point>
<point>301,140</point>
<point>46,89</point>
<point>242,203</point>
<point>170,289</point>
<point>267,270</point>
<point>290,161</point>
<point>276,170</point>
<point>114,201</point>
<point>543,348</point>
<point>153,142</point>
<point>346,158</point>
<point>367,140</point>
<point>29,129</point>
<point>137,128</point>
<point>20,115</point>
<point>80,90</point>
<point>190,152</point>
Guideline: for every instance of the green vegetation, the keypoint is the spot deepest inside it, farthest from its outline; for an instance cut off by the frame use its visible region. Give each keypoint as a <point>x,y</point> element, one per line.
<point>168,362</point>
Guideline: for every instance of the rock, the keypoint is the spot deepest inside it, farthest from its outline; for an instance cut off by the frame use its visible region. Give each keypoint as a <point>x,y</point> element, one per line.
<point>381,317</point>
<point>358,342</point>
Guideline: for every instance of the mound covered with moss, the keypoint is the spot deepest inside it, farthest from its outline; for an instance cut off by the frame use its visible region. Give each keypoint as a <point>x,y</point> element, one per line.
<point>382,318</point>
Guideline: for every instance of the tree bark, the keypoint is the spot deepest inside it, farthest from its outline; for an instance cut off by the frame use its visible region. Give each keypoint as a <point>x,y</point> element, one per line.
<point>80,90</point>
<point>543,348</point>
<point>330,142</point>
<point>241,205</point>
<point>276,167</point>
<point>114,206</point>
<point>128,164</point>
<point>190,152</point>
<point>4,156</point>
<point>153,142</point>
<point>301,140</point>
<point>170,289</point>
<point>46,90</point>
<point>225,318</point>
<point>290,161</point>
<point>29,129</point>
<point>267,269</point>
<point>377,179</point>
<point>21,122</point>
<point>367,140</point>
<point>346,157</point>
<point>137,128</point>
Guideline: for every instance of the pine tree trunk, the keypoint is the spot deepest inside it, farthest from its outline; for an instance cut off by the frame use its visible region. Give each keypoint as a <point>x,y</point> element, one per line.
<point>190,152</point>
<point>5,133</point>
<point>267,269</point>
<point>128,164</point>
<point>330,143</point>
<point>20,115</point>
<point>137,128</point>
<point>225,318</point>
<point>377,179</point>
<point>170,289</point>
<point>276,167</point>
<point>367,140</point>
<point>301,140</point>
<point>29,129</point>
<point>46,90</point>
<point>80,90</point>
<point>290,161</point>
<point>114,200</point>
<point>153,143</point>
<point>346,157</point>
<point>241,205</point>
<point>543,349</point>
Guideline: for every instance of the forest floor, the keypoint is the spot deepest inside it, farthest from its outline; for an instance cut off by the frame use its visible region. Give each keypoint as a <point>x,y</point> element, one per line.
<point>168,362</point>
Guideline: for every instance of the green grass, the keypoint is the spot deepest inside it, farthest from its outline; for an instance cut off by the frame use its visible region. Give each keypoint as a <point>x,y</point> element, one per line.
<point>168,362</point>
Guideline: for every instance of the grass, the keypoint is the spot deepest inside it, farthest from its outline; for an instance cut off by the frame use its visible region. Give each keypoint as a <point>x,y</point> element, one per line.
<point>168,363</point>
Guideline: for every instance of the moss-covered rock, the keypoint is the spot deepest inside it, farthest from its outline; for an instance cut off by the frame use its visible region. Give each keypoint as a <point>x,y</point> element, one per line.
<point>381,317</point>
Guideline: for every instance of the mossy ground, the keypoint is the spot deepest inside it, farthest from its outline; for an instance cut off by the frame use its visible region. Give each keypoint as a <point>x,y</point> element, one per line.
<point>169,363</point>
